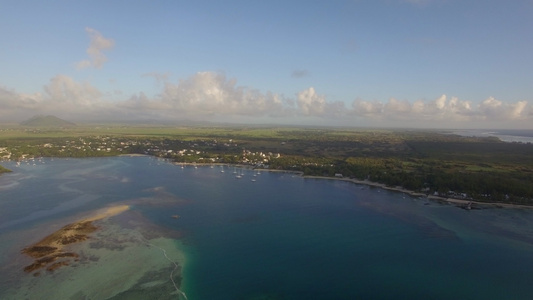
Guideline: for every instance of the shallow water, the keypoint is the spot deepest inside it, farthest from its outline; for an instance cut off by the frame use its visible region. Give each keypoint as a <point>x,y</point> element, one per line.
<point>278,237</point>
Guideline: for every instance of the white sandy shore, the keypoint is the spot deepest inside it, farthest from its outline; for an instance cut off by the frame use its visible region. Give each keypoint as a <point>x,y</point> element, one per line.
<point>107,212</point>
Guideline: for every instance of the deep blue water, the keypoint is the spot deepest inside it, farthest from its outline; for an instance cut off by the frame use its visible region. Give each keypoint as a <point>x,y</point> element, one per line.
<point>286,237</point>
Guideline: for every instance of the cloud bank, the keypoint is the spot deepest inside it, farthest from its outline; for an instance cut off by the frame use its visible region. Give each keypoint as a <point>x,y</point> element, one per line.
<point>211,96</point>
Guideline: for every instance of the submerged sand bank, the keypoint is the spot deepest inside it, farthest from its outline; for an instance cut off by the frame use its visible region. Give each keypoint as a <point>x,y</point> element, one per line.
<point>125,257</point>
<point>49,252</point>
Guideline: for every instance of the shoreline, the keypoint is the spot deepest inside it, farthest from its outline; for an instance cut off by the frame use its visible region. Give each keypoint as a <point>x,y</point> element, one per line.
<point>459,202</point>
<point>462,203</point>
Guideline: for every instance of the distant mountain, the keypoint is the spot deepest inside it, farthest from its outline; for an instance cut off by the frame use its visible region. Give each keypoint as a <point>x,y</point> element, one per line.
<point>47,121</point>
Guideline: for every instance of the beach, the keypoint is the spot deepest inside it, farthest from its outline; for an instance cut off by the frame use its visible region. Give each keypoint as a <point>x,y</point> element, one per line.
<point>108,212</point>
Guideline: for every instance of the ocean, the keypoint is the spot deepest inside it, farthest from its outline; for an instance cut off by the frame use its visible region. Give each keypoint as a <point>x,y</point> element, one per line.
<point>202,233</point>
<point>504,135</point>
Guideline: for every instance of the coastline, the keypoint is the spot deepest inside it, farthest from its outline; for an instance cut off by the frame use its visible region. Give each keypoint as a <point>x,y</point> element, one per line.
<point>458,202</point>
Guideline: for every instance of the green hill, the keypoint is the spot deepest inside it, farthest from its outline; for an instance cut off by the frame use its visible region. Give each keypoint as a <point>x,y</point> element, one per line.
<point>47,121</point>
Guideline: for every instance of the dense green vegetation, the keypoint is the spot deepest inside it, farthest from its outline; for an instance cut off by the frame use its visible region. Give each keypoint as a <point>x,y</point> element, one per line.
<point>483,169</point>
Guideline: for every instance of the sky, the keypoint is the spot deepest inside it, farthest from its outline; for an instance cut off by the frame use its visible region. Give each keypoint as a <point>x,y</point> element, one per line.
<point>357,63</point>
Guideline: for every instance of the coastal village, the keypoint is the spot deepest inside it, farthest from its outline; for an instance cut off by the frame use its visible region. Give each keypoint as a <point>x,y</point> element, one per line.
<point>176,150</point>
<point>179,151</point>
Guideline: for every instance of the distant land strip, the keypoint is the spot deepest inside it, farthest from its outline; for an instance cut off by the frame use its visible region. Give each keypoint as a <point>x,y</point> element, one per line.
<point>433,163</point>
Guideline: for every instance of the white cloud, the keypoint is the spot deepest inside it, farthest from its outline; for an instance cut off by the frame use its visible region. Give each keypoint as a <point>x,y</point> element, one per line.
<point>312,104</point>
<point>95,51</point>
<point>442,110</point>
<point>62,96</point>
<point>397,107</point>
<point>11,100</point>
<point>497,110</point>
<point>367,108</point>
<point>15,106</point>
<point>210,96</point>
<point>63,90</point>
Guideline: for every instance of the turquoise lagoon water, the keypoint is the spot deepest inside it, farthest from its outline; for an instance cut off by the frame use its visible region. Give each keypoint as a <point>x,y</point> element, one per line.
<point>279,236</point>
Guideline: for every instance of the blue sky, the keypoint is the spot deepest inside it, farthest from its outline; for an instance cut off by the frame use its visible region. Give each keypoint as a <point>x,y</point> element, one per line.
<point>399,63</point>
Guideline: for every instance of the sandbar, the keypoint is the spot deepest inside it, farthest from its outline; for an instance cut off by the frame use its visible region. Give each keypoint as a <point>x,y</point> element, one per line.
<point>49,252</point>
<point>108,212</point>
